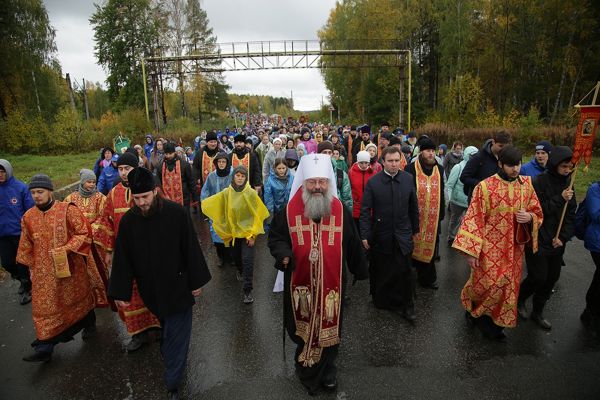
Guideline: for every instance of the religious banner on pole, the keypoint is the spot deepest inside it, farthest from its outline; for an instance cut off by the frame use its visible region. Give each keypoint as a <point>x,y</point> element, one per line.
<point>585,134</point>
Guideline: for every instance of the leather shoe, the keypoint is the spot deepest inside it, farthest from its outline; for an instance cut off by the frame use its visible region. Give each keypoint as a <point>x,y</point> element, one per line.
<point>26,299</point>
<point>173,395</point>
<point>522,310</point>
<point>433,286</point>
<point>136,342</point>
<point>541,321</point>
<point>409,314</point>
<point>329,383</point>
<point>38,356</point>
<point>88,332</point>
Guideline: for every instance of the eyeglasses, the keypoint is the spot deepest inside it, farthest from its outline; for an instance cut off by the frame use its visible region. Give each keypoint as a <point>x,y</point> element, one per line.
<point>313,182</point>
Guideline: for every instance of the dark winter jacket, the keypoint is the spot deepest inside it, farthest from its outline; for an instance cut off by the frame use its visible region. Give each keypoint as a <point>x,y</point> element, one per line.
<point>450,161</point>
<point>481,165</point>
<point>549,186</point>
<point>389,210</point>
<point>165,274</point>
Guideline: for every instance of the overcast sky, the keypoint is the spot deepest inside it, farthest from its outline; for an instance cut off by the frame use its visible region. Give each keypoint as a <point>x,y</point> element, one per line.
<point>232,21</point>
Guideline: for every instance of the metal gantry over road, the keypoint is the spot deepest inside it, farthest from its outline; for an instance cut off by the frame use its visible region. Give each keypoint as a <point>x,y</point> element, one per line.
<point>290,54</point>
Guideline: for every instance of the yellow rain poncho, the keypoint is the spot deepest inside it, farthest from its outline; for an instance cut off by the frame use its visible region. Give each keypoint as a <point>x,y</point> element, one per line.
<point>236,214</point>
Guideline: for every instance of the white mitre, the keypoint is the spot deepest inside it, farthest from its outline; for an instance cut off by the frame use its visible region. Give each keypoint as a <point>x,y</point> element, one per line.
<point>314,166</point>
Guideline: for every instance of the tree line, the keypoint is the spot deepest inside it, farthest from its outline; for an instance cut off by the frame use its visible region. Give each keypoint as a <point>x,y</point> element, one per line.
<point>469,57</point>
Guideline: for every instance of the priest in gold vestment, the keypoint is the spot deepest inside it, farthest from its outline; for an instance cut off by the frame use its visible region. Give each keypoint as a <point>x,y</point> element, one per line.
<point>55,245</point>
<point>503,217</point>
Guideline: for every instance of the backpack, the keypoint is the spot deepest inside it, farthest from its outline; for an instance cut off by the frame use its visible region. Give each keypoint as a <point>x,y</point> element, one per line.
<point>582,220</point>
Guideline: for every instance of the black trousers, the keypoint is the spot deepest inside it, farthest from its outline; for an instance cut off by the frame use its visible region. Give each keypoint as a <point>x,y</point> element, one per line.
<point>224,253</point>
<point>426,272</point>
<point>8,254</point>
<point>543,272</point>
<point>311,377</point>
<point>592,298</point>
<point>243,255</point>
<point>47,345</point>
<point>391,280</point>
<point>174,346</point>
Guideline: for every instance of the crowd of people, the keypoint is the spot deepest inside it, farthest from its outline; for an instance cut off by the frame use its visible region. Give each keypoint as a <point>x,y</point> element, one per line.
<point>334,200</point>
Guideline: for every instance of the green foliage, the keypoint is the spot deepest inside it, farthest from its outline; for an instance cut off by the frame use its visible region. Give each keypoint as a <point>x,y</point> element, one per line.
<point>124,32</point>
<point>528,131</point>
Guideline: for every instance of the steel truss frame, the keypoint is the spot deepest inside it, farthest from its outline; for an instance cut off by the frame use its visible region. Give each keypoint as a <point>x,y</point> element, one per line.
<point>289,54</point>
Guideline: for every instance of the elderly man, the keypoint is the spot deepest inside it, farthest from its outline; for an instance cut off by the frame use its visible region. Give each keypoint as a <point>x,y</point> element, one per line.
<point>314,240</point>
<point>55,245</point>
<point>168,281</point>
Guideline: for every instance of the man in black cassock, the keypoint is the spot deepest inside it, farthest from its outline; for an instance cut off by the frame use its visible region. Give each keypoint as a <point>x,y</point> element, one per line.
<point>314,240</point>
<point>389,217</point>
<point>168,276</point>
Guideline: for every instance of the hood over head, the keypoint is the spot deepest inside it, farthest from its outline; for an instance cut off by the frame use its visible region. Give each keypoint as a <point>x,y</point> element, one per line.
<point>7,167</point>
<point>469,151</point>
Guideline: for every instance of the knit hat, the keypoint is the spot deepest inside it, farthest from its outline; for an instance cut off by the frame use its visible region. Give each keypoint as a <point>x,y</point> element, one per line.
<point>324,145</point>
<point>291,154</point>
<point>211,136</point>
<point>86,175</point>
<point>367,147</point>
<point>395,140</point>
<point>363,156</point>
<point>129,159</point>
<point>426,144</point>
<point>41,181</point>
<point>364,129</point>
<point>140,180</point>
<point>544,145</point>
<point>178,148</point>
<point>169,148</point>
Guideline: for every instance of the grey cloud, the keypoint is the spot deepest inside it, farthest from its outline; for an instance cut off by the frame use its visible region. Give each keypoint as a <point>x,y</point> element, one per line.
<point>232,21</point>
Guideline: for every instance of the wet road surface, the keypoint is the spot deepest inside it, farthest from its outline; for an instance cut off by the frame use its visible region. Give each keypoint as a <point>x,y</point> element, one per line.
<point>236,350</point>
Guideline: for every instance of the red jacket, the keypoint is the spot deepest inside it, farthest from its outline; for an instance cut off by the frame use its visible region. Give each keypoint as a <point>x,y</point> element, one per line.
<point>358,181</point>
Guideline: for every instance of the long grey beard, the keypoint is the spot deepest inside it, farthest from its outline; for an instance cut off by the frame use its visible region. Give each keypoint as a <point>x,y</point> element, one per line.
<point>317,207</point>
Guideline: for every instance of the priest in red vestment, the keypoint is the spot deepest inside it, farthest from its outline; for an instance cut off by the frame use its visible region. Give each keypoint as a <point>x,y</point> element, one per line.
<point>503,217</point>
<point>175,178</point>
<point>55,245</point>
<point>314,241</point>
<point>138,319</point>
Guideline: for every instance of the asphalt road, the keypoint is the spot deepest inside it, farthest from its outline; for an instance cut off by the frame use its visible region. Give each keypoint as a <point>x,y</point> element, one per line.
<point>237,353</point>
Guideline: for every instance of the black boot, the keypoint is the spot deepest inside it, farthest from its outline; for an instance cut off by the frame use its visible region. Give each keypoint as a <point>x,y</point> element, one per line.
<point>539,319</point>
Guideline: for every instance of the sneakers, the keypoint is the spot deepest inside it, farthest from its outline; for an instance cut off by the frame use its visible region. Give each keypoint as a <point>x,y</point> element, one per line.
<point>541,321</point>
<point>38,356</point>
<point>136,342</point>
<point>248,299</point>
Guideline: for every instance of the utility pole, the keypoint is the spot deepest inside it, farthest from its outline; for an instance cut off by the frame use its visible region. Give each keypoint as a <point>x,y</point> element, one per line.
<point>85,102</point>
<point>71,98</point>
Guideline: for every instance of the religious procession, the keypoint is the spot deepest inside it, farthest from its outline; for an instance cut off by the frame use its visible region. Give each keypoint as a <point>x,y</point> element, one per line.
<point>335,204</point>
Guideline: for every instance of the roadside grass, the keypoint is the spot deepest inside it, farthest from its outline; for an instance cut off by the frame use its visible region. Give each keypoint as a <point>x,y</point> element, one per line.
<point>63,169</point>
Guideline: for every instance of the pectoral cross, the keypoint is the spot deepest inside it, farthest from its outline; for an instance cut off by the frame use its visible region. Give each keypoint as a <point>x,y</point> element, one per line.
<point>299,230</point>
<point>332,229</point>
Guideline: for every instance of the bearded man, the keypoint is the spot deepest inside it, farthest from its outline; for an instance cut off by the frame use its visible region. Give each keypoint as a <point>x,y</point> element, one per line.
<point>167,280</point>
<point>55,245</point>
<point>175,177</point>
<point>314,241</point>
<point>428,178</point>
<point>203,159</point>
<point>248,159</point>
